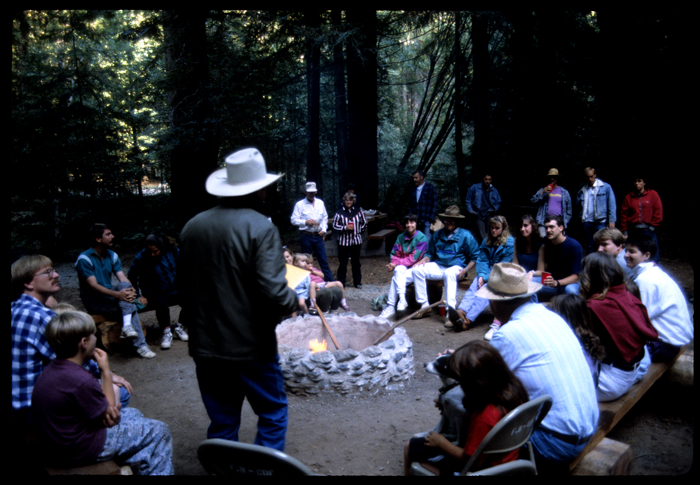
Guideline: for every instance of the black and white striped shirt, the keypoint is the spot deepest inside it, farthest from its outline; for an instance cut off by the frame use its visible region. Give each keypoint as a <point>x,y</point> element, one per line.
<point>345,216</point>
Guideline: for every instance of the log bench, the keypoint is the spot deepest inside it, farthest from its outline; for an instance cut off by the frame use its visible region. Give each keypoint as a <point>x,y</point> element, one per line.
<point>108,467</point>
<point>109,331</point>
<point>603,456</point>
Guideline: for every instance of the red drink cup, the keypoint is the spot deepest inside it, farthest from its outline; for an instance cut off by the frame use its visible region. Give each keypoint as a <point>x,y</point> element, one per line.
<point>351,226</point>
<point>545,275</point>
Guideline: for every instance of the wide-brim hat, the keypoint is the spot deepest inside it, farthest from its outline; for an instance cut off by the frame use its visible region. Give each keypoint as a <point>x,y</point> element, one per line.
<point>453,212</point>
<point>506,282</point>
<point>310,187</point>
<point>245,173</point>
<point>553,172</point>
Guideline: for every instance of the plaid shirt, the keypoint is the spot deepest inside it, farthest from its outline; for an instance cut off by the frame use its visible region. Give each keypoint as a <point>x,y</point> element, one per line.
<point>426,207</point>
<point>148,274</point>
<point>31,352</point>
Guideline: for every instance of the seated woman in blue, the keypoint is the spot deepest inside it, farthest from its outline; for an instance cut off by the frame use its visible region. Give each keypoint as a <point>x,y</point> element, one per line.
<point>153,276</point>
<point>529,248</point>
<point>497,247</point>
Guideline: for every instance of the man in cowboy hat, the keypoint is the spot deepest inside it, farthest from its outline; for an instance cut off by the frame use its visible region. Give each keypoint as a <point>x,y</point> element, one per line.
<point>311,217</point>
<point>231,277</point>
<point>552,199</point>
<point>452,252</point>
<point>545,354</point>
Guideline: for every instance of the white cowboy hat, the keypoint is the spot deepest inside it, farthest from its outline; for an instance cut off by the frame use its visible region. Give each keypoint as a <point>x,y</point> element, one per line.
<point>244,174</point>
<point>506,282</point>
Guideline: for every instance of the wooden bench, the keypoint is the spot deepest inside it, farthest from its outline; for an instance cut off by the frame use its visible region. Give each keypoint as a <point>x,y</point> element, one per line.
<point>376,243</point>
<point>109,331</point>
<point>603,456</point>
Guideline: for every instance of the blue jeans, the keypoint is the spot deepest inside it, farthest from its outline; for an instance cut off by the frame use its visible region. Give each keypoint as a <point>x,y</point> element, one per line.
<point>546,293</point>
<point>314,245</point>
<point>224,385</point>
<point>590,228</point>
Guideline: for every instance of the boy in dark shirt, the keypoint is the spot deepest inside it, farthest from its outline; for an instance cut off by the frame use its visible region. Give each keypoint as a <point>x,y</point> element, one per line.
<point>79,417</point>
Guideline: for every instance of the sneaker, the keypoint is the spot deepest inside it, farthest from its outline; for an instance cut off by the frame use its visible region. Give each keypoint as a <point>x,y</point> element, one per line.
<point>167,340</point>
<point>403,304</point>
<point>128,332</point>
<point>388,312</point>
<point>494,328</point>
<point>180,332</point>
<point>344,304</point>
<point>145,352</point>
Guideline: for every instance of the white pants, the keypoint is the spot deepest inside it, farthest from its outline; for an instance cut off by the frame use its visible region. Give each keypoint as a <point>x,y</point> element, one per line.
<point>614,382</point>
<point>433,271</point>
<point>402,277</point>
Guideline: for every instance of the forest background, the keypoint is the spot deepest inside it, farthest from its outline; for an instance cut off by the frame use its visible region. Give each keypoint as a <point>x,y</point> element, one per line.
<point>119,116</point>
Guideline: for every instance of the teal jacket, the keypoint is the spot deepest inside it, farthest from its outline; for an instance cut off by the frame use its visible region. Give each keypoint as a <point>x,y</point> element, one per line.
<point>490,255</point>
<point>457,249</point>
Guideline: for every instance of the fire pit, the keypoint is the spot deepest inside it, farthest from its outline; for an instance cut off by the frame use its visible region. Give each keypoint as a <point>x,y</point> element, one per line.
<point>357,367</point>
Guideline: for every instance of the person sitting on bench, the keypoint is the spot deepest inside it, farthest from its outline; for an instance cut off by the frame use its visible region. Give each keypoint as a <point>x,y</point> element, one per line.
<point>79,417</point>
<point>664,300</point>
<point>409,248</point>
<point>619,319</point>
<point>95,268</point>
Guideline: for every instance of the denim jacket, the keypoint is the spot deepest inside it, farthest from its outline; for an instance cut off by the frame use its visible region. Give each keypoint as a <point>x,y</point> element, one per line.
<point>604,202</point>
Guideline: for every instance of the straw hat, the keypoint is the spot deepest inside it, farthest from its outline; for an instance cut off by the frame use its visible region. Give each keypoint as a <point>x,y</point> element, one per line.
<point>244,174</point>
<point>506,282</point>
<point>453,212</point>
<point>553,172</point>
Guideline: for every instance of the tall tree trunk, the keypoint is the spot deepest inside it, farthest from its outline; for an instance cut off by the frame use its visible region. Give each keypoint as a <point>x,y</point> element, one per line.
<point>341,107</point>
<point>481,149</point>
<point>313,87</point>
<point>459,150</point>
<point>195,154</point>
<point>362,106</point>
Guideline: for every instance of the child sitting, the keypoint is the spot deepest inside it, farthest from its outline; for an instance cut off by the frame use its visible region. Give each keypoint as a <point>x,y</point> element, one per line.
<point>663,298</point>
<point>491,391</point>
<point>79,417</point>
<point>304,261</point>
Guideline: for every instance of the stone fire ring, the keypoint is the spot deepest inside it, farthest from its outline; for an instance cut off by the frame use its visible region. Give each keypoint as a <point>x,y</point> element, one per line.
<point>358,367</point>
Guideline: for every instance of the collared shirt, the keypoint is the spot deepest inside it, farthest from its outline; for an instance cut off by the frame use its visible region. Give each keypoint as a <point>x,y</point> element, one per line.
<point>665,303</point>
<point>31,352</point>
<point>304,210</point>
<point>544,353</point>
<point>90,264</point>
<point>345,216</point>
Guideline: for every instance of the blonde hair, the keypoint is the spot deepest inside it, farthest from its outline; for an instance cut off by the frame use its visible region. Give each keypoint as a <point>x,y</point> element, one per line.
<point>505,234</point>
<point>59,308</point>
<point>65,331</point>
<point>23,270</point>
<point>303,257</point>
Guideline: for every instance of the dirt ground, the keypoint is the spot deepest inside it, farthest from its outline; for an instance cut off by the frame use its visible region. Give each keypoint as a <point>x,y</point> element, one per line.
<point>365,434</point>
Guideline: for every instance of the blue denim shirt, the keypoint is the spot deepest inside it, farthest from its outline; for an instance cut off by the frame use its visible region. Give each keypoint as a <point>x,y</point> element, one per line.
<point>605,208</point>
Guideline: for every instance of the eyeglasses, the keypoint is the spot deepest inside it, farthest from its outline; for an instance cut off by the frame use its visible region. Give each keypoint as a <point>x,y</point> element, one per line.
<point>49,272</point>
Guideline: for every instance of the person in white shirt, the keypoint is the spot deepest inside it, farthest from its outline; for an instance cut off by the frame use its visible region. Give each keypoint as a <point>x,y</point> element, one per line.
<point>665,302</point>
<point>311,217</point>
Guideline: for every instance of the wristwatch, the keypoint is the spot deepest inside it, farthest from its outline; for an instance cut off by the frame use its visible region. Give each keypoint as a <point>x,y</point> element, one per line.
<point>558,284</point>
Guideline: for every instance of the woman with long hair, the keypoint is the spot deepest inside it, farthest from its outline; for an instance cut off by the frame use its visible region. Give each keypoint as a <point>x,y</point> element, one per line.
<point>573,309</point>
<point>491,390</point>
<point>349,222</point>
<point>619,319</point>
<point>497,247</point>
<point>529,248</point>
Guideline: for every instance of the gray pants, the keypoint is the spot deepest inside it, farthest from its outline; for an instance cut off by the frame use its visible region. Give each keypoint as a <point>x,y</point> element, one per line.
<point>114,309</point>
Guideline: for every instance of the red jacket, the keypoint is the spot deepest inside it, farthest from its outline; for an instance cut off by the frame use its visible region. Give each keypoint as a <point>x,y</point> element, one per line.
<point>644,208</point>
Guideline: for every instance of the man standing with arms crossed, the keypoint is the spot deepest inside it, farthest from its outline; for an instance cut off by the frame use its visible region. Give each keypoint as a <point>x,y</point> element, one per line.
<point>423,203</point>
<point>231,277</point>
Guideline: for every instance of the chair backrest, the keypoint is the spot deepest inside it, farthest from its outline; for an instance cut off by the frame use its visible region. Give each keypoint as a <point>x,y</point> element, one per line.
<point>232,458</point>
<point>514,430</point>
